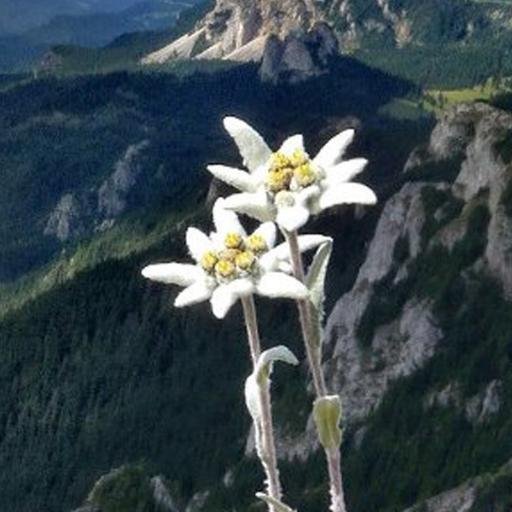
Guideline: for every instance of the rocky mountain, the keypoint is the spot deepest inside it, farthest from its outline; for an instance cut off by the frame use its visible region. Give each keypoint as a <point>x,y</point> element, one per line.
<point>239,30</point>
<point>415,40</point>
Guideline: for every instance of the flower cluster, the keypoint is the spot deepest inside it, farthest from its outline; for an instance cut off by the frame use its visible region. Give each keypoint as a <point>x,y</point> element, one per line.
<point>230,264</point>
<point>287,186</point>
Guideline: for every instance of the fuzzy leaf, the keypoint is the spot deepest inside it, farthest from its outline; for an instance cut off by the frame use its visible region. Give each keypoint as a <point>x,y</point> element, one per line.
<point>261,374</point>
<point>278,506</point>
<point>327,416</point>
<point>269,357</point>
<point>315,280</point>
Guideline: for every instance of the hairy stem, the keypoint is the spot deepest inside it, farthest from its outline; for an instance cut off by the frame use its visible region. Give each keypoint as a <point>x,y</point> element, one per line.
<point>264,431</point>
<point>312,341</point>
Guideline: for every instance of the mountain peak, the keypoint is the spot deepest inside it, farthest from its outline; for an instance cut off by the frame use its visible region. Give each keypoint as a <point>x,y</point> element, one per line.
<point>238,30</point>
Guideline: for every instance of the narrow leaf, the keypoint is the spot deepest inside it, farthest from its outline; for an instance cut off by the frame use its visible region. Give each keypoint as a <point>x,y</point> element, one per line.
<point>315,280</point>
<point>261,374</point>
<point>267,358</point>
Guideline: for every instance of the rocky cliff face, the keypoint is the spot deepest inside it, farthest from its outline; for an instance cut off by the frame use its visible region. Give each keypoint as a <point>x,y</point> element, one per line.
<point>298,57</point>
<point>238,30</point>
<point>290,38</point>
<point>363,364</point>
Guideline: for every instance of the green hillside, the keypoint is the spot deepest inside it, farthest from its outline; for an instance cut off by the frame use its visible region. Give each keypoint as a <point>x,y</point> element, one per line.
<point>66,136</point>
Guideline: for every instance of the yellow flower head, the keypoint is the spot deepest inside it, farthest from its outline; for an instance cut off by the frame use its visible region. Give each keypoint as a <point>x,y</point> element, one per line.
<point>208,261</point>
<point>229,254</point>
<point>305,175</point>
<point>245,260</point>
<point>256,243</point>
<point>279,161</point>
<point>225,268</point>
<point>233,241</point>
<point>279,179</point>
<point>299,158</point>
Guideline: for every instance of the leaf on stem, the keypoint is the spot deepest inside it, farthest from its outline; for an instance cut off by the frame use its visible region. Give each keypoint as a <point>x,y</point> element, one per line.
<point>327,416</point>
<point>261,375</point>
<point>315,280</point>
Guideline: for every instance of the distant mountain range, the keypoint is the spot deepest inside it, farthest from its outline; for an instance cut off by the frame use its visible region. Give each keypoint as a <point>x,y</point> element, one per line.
<point>17,16</point>
<point>80,24</point>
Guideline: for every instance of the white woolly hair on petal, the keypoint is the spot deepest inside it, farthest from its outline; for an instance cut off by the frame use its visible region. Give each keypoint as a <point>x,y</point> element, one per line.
<point>347,193</point>
<point>217,240</point>
<point>254,150</point>
<point>253,204</point>
<point>291,144</point>
<point>285,266</point>
<point>198,243</point>
<point>197,292</point>
<point>269,261</point>
<point>277,284</point>
<point>237,178</point>
<point>305,195</point>
<point>345,171</point>
<point>292,218</point>
<point>181,274</point>
<point>268,232</point>
<point>333,151</point>
<point>226,221</point>
<point>225,295</point>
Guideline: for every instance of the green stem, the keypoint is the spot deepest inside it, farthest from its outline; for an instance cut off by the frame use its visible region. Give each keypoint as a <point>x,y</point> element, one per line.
<point>263,430</point>
<point>312,341</point>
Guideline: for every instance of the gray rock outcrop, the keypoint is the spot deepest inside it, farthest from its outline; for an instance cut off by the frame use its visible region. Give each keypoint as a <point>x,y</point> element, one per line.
<point>80,213</point>
<point>362,375</point>
<point>476,132</point>
<point>298,56</point>
<point>69,218</point>
<point>113,193</point>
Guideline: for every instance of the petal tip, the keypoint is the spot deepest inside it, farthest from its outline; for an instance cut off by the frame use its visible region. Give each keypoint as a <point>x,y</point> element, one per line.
<point>147,272</point>
<point>233,123</point>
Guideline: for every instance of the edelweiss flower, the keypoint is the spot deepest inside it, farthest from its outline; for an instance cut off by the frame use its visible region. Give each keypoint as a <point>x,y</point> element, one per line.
<point>288,186</point>
<point>231,264</point>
